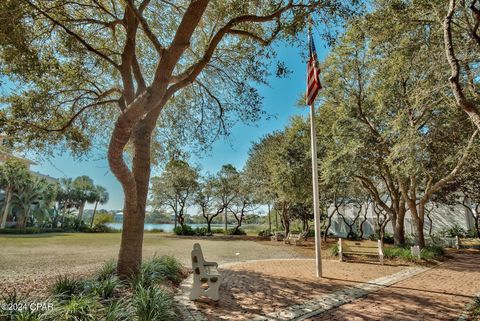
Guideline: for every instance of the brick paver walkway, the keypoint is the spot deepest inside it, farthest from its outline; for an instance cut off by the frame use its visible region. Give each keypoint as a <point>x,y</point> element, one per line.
<point>250,289</point>
<point>440,293</point>
<point>278,287</point>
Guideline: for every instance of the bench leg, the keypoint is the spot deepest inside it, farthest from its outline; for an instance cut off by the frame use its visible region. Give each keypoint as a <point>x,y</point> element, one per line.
<point>340,256</point>
<point>381,259</point>
<point>196,291</point>
<point>213,291</point>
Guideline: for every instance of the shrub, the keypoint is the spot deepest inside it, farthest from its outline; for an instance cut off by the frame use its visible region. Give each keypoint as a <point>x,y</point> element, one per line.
<point>398,252</point>
<point>82,307</point>
<point>84,228</point>
<point>201,231</point>
<point>183,230</point>
<point>105,289</point>
<point>104,297</point>
<point>98,228</point>
<point>217,230</point>
<point>17,314</point>
<point>453,231</point>
<point>472,233</point>
<point>264,233</point>
<point>102,228</point>
<point>333,250</point>
<point>158,270</point>
<point>188,230</point>
<point>151,303</point>
<point>427,253</point>
<point>476,307</point>
<point>103,218</point>
<point>65,287</point>
<point>235,231</point>
<point>155,230</point>
<point>387,238</point>
<point>432,252</point>
<point>107,270</point>
<point>171,269</point>
<point>118,310</point>
<point>31,230</point>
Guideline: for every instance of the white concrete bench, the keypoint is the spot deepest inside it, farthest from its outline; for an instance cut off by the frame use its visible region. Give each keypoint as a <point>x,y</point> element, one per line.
<point>295,239</point>
<point>367,248</point>
<point>206,279</point>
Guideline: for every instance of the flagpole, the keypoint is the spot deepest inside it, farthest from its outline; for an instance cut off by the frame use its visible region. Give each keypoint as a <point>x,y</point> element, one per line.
<point>316,201</point>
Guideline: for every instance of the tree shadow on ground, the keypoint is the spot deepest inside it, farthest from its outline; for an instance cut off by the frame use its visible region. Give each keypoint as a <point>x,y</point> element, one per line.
<point>401,304</point>
<point>245,294</point>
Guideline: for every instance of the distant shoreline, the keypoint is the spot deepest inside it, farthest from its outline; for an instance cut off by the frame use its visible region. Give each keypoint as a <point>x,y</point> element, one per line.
<point>166,227</point>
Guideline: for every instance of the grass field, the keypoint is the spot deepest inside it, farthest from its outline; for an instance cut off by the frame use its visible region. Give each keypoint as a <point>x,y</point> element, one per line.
<point>23,256</point>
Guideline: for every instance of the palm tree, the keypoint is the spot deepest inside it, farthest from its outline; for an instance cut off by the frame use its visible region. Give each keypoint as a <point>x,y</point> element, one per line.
<point>67,197</point>
<point>85,193</point>
<point>35,197</point>
<point>13,175</point>
<point>101,196</point>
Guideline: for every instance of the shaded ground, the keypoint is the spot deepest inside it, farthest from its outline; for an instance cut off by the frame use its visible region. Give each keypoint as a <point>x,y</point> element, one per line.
<point>437,294</point>
<point>31,262</point>
<point>262,287</point>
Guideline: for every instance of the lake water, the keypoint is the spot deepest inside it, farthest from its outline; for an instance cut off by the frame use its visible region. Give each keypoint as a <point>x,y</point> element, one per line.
<point>165,227</point>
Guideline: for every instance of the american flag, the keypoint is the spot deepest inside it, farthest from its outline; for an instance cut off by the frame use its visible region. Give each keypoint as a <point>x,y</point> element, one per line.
<point>313,71</point>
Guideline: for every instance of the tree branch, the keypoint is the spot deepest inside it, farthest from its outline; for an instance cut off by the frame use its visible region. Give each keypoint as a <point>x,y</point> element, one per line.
<point>454,79</point>
<point>198,67</point>
<point>146,28</point>
<point>74,35</point>
<point>72,118</point>
<point>454,173</point>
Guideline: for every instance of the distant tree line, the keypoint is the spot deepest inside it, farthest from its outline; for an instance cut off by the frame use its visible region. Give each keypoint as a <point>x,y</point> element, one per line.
<point>181,186</point>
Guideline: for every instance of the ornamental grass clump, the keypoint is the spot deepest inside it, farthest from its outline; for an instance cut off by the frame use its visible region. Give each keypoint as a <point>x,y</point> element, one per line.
<point>159,270</point>
<point>65,287</point>
<point>146,297</point>
<point>153,303</point>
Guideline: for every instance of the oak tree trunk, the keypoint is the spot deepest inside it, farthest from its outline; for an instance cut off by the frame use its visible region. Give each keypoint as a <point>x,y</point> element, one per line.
<point>419,234</point>
<point>226,221</point>
<point>399,229</point>
<point>209,229</point>
<point>131,246</point>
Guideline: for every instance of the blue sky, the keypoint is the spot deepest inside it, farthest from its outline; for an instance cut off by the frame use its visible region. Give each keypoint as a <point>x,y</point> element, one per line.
<point>279,99</point>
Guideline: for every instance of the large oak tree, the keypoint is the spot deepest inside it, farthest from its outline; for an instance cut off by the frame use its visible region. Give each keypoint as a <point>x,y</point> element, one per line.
<point>138,70</point>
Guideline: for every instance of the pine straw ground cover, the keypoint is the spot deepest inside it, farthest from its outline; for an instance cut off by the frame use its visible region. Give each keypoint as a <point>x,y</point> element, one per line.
<point>103,296</point>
